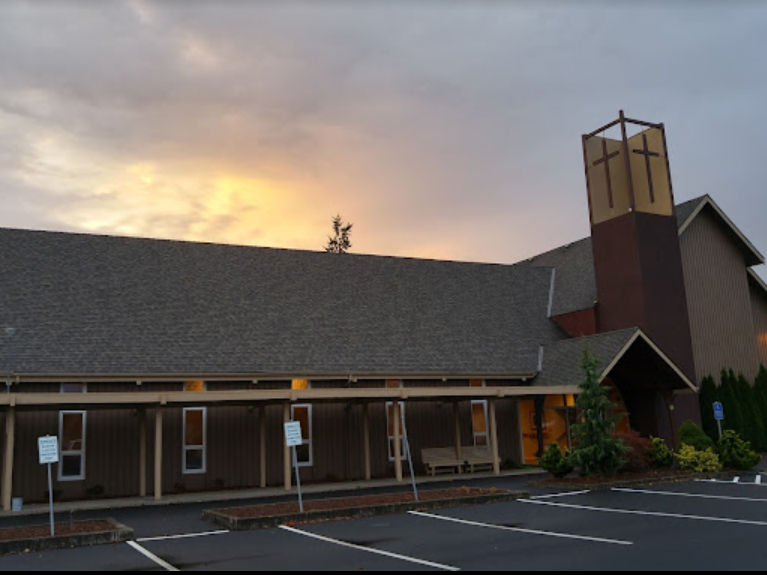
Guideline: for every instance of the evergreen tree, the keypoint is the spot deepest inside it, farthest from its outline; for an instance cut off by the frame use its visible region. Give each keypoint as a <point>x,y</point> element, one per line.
<point>597,451</point>
<point>733,414</point>
<point>708,396</point>
<point>340,243</point>
<point>753,425</point>
<point>760,398</point>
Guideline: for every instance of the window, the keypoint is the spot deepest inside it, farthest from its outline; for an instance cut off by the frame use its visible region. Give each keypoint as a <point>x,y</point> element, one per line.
<point>195,433</point>
<point>72,445</point>
<point>72,438</point>
<point>195,419</point>
<point>479,417</point>
<point>305,451</point>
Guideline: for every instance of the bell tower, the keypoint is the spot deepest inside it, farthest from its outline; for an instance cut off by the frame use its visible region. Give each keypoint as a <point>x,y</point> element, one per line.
<point>637,256</point>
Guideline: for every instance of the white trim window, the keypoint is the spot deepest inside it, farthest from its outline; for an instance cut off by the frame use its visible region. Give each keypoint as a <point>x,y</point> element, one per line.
<point>72,445</point>
<point>305,451</point>
<point>195,440</point>
<point>72,432</point>
<point>390,430</point>
<point>479,423</point>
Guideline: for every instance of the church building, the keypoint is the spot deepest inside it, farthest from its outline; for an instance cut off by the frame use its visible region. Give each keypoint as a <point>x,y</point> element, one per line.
<point>168,367</point>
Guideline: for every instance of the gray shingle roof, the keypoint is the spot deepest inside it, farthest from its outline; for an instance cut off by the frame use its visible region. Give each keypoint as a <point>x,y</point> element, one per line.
<point>576,287</point>
<point>562,360</point>
<point>85,304</point>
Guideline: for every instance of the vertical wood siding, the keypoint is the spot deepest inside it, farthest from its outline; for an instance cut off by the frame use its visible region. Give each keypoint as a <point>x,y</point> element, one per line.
<point>759,306</point>
<point>721,319</point>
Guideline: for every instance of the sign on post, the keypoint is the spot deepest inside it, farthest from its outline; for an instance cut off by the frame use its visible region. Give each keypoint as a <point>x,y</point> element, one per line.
<point>719,416</point>
<point>48,450</point>
<point>294,439</point>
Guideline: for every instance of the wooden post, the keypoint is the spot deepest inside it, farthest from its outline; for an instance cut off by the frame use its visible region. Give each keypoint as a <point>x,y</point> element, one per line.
<point>366,440</point>
<point>10,437</point>
<point>494,435</point>
<point>262,423</point>
<point>142,455</point>
<point>397,442</point>
<point>158,453</point>
<point>286,449</point>
<point>458,446</point>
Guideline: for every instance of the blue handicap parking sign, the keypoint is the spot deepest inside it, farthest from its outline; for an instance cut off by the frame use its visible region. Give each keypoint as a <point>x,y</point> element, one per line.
<point>719,411</point>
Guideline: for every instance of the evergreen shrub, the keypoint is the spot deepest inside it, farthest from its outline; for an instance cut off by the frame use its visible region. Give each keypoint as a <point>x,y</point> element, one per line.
<point>735,453</point>
<point>556,463</point>
<point>659,454</point>
<point>692,435</point>
<point>690,459</point>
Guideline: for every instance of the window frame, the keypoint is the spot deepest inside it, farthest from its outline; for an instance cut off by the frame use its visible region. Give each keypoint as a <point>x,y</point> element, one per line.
<point>486,433</point>
<point>306,441</point>
<point>203,448</point>
<point>72,453</point>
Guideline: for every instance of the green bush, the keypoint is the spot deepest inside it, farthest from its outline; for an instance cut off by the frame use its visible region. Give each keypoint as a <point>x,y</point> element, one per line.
<point>690,459</point>
<point>736,453</point>
<point>709,394</point>
<point>659,454</point>
<point>555,463</point>
<point>692,435</point>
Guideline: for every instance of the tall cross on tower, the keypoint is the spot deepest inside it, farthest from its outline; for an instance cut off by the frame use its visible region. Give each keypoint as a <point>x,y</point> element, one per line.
<point>647,155</point>
<point>605,159</point>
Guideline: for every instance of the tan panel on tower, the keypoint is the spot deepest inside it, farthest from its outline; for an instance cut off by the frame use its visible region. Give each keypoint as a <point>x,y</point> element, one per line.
<point>648,156</point>
<point>609,198</point>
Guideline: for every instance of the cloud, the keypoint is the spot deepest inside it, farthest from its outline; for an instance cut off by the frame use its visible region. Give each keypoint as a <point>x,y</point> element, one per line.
<point>446,129</point>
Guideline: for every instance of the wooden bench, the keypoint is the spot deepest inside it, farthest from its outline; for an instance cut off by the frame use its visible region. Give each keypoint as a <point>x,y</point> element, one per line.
<point>444,460</point>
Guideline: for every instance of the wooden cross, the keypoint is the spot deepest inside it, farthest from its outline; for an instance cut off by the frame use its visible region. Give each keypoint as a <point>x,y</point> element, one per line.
<point>605,159</point>
<point>647,155</point>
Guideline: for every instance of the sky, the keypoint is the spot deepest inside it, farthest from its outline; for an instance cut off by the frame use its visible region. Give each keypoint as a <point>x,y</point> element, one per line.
<point>439,128</point>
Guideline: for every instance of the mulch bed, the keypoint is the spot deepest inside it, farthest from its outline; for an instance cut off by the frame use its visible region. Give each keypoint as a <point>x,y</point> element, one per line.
<point>62,530</point>
<point>280,509</point>
<point>658,474</point>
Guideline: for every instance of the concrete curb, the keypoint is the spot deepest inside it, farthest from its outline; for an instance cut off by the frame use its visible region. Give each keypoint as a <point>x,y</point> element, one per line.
<point>220,518</point>
<point>119,534</point>
<point>633,482</point>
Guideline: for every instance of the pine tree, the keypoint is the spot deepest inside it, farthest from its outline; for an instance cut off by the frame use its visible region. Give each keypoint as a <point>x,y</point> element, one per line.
<point>760,399</point>
<point>340,243</point>
<point>733,414</point>
<point>597,450</point>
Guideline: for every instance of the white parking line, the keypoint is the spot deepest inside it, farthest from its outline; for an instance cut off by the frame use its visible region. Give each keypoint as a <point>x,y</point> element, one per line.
<point>692,495</point>
<point>186,536</point>
<point>520,530</point>
<point>152,557</point>
<point>368,550</point>
<point>739,483</point>
<point>646,513</point>
<point>568,494</point>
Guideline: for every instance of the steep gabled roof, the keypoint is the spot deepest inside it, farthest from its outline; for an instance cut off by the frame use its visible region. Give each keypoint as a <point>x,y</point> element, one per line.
<point>85,304</point>
<point>574,263</point>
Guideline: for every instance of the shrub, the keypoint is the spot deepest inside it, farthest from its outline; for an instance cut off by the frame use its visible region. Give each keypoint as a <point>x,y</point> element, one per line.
<point>690,459</point>
<point>555,463</point>
<point>736,453</point>
<point>659,455</point>
<point>709,394</point>
<point>597,451</point>
<point>636,456</point>
<point>692,435</point>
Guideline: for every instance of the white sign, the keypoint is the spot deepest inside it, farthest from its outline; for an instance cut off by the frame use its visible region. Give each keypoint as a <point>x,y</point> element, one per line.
<point>293,434</point>
<point>48,447</point>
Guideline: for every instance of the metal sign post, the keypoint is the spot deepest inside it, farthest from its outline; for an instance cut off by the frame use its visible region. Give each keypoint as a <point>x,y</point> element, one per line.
<point>409,455</point>
<point>719,416</point>
<point>48,449</point>
<point>293,439</point>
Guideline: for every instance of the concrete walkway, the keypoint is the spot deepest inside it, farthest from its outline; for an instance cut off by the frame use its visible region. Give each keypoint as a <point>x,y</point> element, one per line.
<point>258,494</point>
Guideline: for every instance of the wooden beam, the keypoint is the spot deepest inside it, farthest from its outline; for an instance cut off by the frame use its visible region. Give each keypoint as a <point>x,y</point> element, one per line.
<point>262,451</point>
<point>458,441</point>
<point>158,453</point>
<point>10,439</point>
<point>286,450</point>
<point>397,442</point>
<point>494,436</point>
<point>142,451</point>
<point>366,440</point>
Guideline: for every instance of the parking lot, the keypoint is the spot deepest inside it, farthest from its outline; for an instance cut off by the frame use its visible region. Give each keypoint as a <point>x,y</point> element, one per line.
<point>689,526</point>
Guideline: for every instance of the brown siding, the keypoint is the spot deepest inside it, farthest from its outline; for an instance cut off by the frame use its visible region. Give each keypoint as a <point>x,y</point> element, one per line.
<point>759,307</point>
<point>718,298</point>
